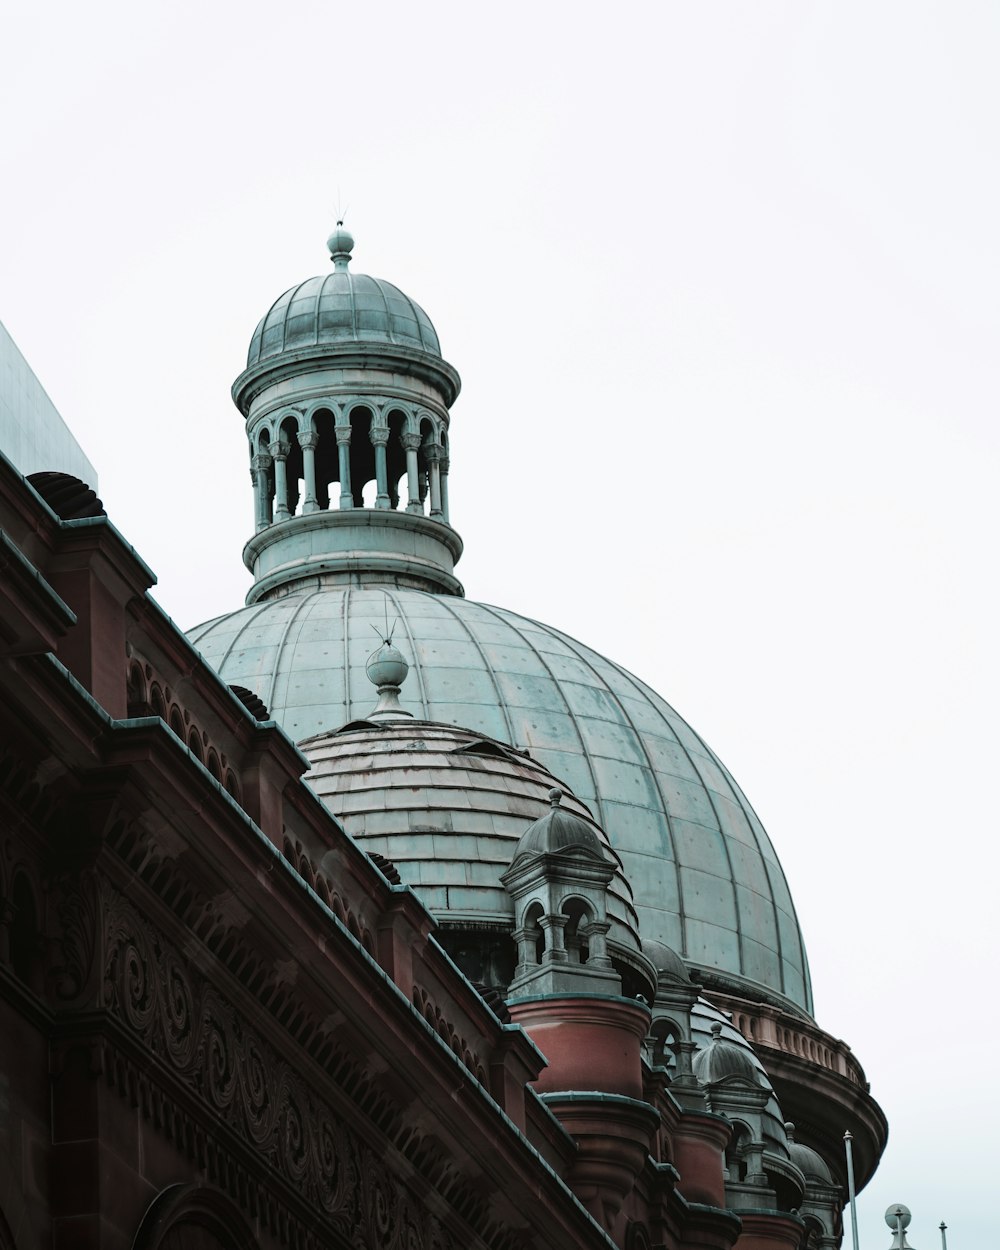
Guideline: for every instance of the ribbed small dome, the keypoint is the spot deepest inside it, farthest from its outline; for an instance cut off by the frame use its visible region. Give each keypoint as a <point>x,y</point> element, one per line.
<point>338,309</point>
<point>809,1163</point>
<point>665,960</point>
<point>723,1059</point>
<point>559,831</point>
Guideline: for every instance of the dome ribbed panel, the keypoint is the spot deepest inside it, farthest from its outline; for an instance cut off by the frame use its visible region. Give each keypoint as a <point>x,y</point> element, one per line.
<point>341,308</point>
<point>705,877</point>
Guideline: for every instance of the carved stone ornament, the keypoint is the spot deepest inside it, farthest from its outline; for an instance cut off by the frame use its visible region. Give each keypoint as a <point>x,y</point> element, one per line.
<point>185,1023</point>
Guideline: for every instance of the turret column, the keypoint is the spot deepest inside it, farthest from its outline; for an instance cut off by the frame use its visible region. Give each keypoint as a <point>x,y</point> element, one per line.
<point>412,444</point>
<point>343,433</point>
<point>445,462</point>
<point>433,454</point>
<point>379,437</point>
<point>555,949</point>
<point>279,452</point>
<point>260,467</point>
<point>308,441</point>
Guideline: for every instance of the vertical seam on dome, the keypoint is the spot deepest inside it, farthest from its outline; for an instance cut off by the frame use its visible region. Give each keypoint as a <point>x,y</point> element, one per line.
<point>388,314</point>
<point>742,800</point>
<point>319,304</point>
<point>296,613</point>
<point>573,646</point>
<point>416,317</point>
<point>489,668</point>
<point>346,622</point>
<point>725,842</point>
<point>284,321</point>
<point>353,303</point>
<point>413,650</point>
<point>502,617</point>
<point>217,664</point>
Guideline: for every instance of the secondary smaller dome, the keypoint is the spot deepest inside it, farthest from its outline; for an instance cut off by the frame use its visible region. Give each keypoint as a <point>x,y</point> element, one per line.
<point>665,960</point>
<point>809,1163</point>
<point>722,1059</point>
<point>339,309</point>
<point>558,830</point>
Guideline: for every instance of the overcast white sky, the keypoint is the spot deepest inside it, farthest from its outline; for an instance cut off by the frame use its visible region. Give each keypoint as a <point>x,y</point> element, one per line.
<point>722,285</point>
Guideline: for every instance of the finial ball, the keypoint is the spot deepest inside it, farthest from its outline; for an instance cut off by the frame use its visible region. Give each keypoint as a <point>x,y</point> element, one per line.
<point>341,242</point>
<point>555,796</point>
<point>386,666</point>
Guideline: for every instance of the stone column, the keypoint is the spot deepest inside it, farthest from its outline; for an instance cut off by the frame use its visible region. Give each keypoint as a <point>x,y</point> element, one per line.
<point>432,453</point>
<point>597,942</point>
<point>343,433</point>
<point>445,462</point>
<point>412,444</point>
<point>555,949</point>
<point>308,441</point>
<point>526,950</point>
<point>280,453</point>
<point>260,467</point>
<point>379,437</point>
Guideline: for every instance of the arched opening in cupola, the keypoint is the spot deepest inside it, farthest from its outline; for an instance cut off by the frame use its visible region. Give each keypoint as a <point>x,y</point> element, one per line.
<point>576,933</point>
<point>428,440</point>
<point>395,458</point>
<point>327,456</point>
<point>363,485</point>
<point>288,435</point>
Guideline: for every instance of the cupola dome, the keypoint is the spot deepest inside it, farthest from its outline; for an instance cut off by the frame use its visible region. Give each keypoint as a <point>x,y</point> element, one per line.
<point>341,308</point>
<point>558,831</point>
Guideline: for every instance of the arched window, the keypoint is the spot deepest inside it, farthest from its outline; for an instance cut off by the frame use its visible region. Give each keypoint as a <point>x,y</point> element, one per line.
<point>362,457</point>
<point>395,459</point>
<point>193,1217</point>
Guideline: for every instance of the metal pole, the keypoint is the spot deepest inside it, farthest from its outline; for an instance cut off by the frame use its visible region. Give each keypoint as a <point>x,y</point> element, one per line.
<point>850,1188</point>
<point>944,1239</point>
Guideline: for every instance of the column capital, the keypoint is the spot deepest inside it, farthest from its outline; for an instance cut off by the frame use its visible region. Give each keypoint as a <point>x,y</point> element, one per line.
<point>279,451</point>
<point>432,453</point>
<point>308,438</point>
<point>410,440</point>
<point>343,433</point>
<point>379,435</point>
<point>261,463</point>
<point>444,462</point>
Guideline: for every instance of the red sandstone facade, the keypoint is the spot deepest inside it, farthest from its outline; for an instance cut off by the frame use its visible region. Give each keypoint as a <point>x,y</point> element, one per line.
<point>222,1026</point>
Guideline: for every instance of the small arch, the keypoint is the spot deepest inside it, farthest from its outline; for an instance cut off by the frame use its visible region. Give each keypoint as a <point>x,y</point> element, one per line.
<point>395,456</point>
<point>530,923</point>
<point>157,702</point>
<point>194,745</point>
<point>324,422</point>
<point>362,459</point>
<point>193,1217</point>
<point>576,933</point>
<point>136,691</point>
<point>177,722</point>
<point>232,785</point>
<point>213,765</point>
<point>288,433</point>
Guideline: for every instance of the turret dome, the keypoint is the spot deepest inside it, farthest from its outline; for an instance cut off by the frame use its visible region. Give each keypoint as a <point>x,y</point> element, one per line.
<point>341,308</point>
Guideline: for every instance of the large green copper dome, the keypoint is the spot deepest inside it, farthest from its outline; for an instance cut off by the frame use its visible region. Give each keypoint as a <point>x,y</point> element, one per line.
<point>347,404</point>
<point>705,877</point>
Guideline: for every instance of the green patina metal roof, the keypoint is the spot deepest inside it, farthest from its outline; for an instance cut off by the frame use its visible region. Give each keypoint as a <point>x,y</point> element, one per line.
<point>341,308</point>
<point>705,877</point>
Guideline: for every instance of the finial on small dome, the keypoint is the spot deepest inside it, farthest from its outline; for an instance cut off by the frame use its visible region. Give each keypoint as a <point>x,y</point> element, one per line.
<point>340,243</point>
<point>555,796</point>
<point>790,1130</point>
<point>716,1032</point>
<point>387,671</point>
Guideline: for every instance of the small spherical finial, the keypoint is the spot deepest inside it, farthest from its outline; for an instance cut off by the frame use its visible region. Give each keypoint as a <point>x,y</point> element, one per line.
<point>340,243</point>
<point>555,796</point>
<point>716,1032</point>
<point>386,666</point>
